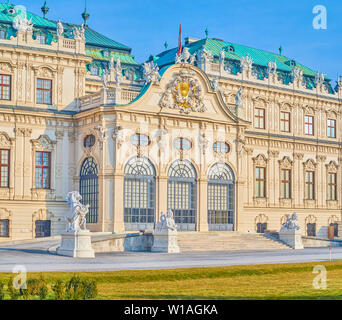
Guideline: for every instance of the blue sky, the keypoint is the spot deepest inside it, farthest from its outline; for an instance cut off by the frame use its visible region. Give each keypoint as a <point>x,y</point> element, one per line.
<point>145,25</point>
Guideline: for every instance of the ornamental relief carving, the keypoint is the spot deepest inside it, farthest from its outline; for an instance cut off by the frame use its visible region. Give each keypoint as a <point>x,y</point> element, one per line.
<point>285,163</point>
<point>5,140</point>
<point>5,214</point>
<point>44,71</point>
<point>309,110</point>
<point>23,132</point>
<point>43,143</point>
<point>310,165</point>
<point>183,93</point>
<point>332,167</point>
<point>260,160</point>
<point>285,107</point>
<point>6,67</point>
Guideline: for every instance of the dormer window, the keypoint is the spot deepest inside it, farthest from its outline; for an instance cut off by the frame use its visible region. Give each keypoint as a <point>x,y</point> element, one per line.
<point>106,53</point>
<point>94,71</point>
<point>11,11</point>
<point>231,49</point>
<point>41,38</point>
<point>2,34</point>
<point>293,63</point>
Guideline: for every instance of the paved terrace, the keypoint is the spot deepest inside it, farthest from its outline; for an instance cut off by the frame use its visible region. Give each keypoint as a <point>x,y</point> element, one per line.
<point>36,258</point>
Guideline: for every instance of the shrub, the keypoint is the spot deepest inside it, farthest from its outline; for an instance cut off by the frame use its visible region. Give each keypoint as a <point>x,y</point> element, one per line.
<point>13,293</point>
<point>25,293</point>
<point>33,286</point>
<point>77,289</point>
<point>2,291</point>
<point>58,289</point>
<point>89,289</point>
<point>73,288</point>
<point>43,291</point>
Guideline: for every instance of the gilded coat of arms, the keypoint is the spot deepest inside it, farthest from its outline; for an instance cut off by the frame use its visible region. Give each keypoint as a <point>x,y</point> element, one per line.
<point>183,93</point>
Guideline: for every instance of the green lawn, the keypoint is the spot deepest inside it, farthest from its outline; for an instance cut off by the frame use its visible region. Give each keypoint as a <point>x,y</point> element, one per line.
<point>279,281</point>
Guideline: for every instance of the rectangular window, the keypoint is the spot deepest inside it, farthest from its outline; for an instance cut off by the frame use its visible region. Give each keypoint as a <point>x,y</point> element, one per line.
<point>285,121</point>
<point>285,184</point>
<point>309,185</point>
<point>4,228</point>
<point>5,87</point>
<point>41,39</point>
<point>260,182</point>
<point>332,195</point>
<point>309,125</point>
<point>259,118</point>
<point>43,170</point>
<point>4,168</point>
<point>331,126</point>
<point>44,91</point>
<point>2,34</point>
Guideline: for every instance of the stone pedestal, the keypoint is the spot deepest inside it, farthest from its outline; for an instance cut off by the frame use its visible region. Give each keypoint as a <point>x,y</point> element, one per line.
<point>76,245</point>
<point>291,237</point>
<point>165,241</point>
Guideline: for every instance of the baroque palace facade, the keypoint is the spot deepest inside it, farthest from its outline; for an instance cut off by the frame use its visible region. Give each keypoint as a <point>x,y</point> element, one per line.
<point>226,136</point>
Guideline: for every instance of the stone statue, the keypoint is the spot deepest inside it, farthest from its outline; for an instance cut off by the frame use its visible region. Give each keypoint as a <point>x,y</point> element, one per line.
<point>246,62</point>
<point>319,78</point>
<point>238,98</point>
<point>166,222</point>
<point>118,72</point>
<point>76,217</point>
<point>297,73</point>
<point>291,222</point>
<point>185,57</point>
<point>222,56</point>
<point>215,84</point>
<point>79,33</point>
<point>21,23</point>
<point>151,72</point>
<point>271,67</point>
<point>105,79</point>
<point>204,55</point>
<point>60,29</point>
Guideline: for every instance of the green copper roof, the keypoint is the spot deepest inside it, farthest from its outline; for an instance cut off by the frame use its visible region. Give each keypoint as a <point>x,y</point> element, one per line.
<point>260,57</point>
<point>93,38</point>
<point>5,16</point>
<point>98,55</point>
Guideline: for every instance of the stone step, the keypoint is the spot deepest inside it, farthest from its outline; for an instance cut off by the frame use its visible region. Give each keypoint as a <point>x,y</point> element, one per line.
<point>228,241</point>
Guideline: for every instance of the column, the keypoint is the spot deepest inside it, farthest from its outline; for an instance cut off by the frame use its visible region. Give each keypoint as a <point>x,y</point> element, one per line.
<point>202,209</point>
<point>118,195</point>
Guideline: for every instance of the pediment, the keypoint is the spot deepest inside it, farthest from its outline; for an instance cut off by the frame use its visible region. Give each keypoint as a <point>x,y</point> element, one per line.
<point>185,90</point>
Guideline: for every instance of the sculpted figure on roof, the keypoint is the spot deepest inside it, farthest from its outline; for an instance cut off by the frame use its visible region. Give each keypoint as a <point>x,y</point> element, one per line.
<point>238,98</point>
<point>21,23</point>
<point>185,57</point>
<point>246,62</point>
<point>60,29</point>
<point>297,73</point>
<point>150,73</point>
<point>78,33</point>
<point>118,72</point>
<point>272,67</point>
<point>222,56</point>
<point>319,78</point>
<point>204,54</point>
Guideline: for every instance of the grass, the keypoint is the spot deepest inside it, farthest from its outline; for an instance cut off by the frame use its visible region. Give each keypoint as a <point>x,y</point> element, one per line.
<point>277,281</point>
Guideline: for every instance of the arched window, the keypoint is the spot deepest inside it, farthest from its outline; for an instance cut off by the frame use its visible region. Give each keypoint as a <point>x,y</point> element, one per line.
<point>221,197</point>
<point>89,188</point>
<point>182,194</point>
<point>139,194</point>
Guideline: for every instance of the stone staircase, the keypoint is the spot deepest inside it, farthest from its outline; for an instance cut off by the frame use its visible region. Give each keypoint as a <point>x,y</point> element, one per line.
<point>227,241</point>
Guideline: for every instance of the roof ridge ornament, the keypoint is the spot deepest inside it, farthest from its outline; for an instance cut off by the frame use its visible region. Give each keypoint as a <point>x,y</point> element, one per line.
<point>21,23</point>
<point>150,72</point>
<point>45,9</point>
<point>60,29</point>
<point>185,57</point>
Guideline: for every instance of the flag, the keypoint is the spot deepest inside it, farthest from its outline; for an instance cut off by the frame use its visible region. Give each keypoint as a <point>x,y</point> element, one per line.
<point>180,40</point>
